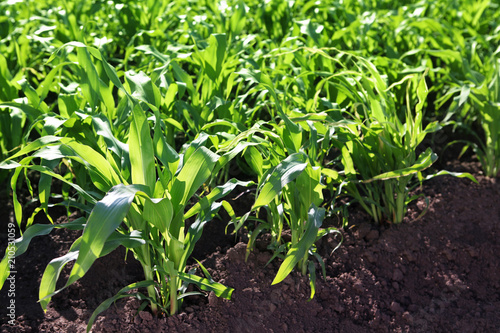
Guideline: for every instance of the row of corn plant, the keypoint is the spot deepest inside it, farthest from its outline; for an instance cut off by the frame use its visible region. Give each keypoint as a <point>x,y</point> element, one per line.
<point>136,193</point>
<point>140,111</point>
<point>415,35</point>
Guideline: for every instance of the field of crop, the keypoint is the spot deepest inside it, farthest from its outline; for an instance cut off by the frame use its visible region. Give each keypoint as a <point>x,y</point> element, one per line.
<point>249,166</point>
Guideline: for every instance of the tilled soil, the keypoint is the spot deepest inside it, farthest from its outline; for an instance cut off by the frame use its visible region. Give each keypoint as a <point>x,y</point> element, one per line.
<point>439,273</point>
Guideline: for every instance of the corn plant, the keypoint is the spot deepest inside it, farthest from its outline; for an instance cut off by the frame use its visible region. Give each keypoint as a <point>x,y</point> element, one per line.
<point>486,99</point>
<point>475,103</point>
<point>12,122</point>
<point>289,170</point>
<point>291,193</point>
<point>382,151</point>
<point>150,211</point>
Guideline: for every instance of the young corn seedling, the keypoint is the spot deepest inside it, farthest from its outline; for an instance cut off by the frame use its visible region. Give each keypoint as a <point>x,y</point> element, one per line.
<point>383,153</point>
<point>289,188</point>
<point>477,102</point>
<point>291,194</point>
<point>147,215</point>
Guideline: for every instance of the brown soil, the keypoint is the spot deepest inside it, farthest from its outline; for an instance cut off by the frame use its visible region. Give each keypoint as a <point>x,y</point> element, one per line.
<point>439,273</point>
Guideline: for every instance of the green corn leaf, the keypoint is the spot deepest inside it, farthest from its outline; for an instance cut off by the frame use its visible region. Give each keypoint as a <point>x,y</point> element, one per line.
<point>347,161</point>
<point>31,112</point>
<point>291,133</point>
<point>299,250</point>
<point>238,19</point>
<point>32,146</point>
<point>44,187</point>
<point>255,160</point>
<point>424,161</point>
<point>148,49</point>
<point>144,89</point>
<point>229,210</point>
<point>164,152</point>
<point>21,244</point>
<point>176,250</point>
<point>32,96</point>
<point>312,278</point>
<point>103,129</point>
<point>200,141</point>
<point>141,151</point>
<point>20,167</point>
<point>289,169</point>
<point>93,83</point>
<point>334,175</point>
<point>113,76</point>
<point>214,54</point>
<point>12,128</point>
<point>454,174</point>
<point>184,77</point>
<point>93,88</point>
<point>194,173</point>
<point>216,194</point>
<point>206,285</point>
<point>309,186</point>
<point>204,270</point>
<point>228,156</point>
<point>169,98</point>
<point>253,237</point>
<point>422,92</point>
<point>90,81</point>
<point>159,212</point>
<point>54,268</point>
<point>45,85</point>
<point>196,229</point>
<point>52,272</point>
<point>106,216</point>
<point>101,171</point>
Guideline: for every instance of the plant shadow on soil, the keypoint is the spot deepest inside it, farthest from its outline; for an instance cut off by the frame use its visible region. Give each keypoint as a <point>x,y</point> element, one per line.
<point>439,273</point>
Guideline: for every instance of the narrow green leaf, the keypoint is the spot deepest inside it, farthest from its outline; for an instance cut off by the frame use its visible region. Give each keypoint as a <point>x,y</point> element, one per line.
<point>204,284</point>
<point>32,146</point>
<point>284,173</point>
<point>255,160</point>
<point>216,194</point>
<point>309,186</point>
<point>144,89</point>
<point>106,216</point>
<point>163,151</point>
<point>30,111</point>
<point>141,151</point>
<point>214,55</point>
<point>424,161</point>
<point>297,252</point>
<point>195,230</point>
<point>21,244</point>
<point>312,278</point>
<point>54,268</point>
<point>52,272</point>
<point>159,212</point>
<point>454,174</point>
<point>194,173</point>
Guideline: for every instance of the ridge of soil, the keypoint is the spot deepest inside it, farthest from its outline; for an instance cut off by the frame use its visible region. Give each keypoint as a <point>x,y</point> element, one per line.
<point>439,273</point>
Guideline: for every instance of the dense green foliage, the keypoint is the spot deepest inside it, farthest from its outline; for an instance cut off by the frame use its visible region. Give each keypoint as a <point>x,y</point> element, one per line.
<point>143,110</point>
